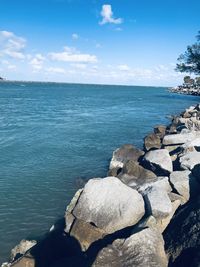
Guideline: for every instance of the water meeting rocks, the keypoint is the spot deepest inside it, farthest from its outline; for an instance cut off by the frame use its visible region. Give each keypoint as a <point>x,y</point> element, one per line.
<point>123,154</point>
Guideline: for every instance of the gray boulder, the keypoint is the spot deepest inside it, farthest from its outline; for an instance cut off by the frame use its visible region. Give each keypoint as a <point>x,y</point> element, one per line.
<point>152,141</point>
<point>109,204</point>
<point>162,183</point>
<point>144,248</point>
<point>183,182</point>
<point>159,161</point>
<point>157,202</point>
<point>176,139</point>
<point>189,160</point>
<point>123,154</point>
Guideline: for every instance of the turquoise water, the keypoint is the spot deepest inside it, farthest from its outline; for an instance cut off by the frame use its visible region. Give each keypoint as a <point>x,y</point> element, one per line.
<point>51,134</point>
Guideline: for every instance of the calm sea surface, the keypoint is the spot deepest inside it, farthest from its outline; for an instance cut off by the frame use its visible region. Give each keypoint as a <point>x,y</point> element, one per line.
<point>52,134</point>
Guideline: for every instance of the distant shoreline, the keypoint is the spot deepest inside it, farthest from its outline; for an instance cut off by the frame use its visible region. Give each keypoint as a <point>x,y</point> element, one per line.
<point>99,84</point>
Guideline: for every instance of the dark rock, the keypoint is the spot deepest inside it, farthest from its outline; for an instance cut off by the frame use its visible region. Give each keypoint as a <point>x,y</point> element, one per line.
<point>152,141</point>
<point>182,236</point>
<point>123,154</point>
<point>160,130</point>
<point>137,172</point>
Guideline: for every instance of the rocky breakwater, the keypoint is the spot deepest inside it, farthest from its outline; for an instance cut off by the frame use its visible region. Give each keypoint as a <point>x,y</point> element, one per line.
<point>145,213</point>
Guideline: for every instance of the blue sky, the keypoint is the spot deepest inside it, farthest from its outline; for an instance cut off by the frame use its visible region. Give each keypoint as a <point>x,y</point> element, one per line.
<point>113,42</point>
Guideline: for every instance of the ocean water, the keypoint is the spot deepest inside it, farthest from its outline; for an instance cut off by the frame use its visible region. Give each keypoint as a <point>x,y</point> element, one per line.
<point>53,134</point>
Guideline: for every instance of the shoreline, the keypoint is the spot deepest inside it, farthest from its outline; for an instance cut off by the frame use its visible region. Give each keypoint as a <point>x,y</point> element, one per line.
<point>142,173</point>
<point>195,91</point>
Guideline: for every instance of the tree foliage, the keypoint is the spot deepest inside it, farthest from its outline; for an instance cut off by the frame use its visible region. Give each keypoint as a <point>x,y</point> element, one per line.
<point>190,60</point>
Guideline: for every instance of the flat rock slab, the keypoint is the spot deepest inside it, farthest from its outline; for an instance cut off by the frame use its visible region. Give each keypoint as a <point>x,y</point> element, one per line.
<point>142,249</point>
<point>176,139</point>
<point>189,160</point>
<point>161,183</point>
<point>123,154</point>
<point>158,202</point>
<point>159,161</point>
<point>109,204</point>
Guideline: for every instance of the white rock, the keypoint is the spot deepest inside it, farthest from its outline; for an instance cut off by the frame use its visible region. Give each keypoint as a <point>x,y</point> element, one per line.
<point>109,204</point>
<point>175,139</point>
<point>181,182</point>
<point>189,160</point>
<point>159,158</point>
<point>162,183</point>
<point>158,202</point>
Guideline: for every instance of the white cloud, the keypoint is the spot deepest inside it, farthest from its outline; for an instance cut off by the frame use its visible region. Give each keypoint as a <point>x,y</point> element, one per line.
<point>55,70</point>
<point>12,67</point>
<point>107,16</point>
<point>72,55</point>
<point>37,62</point>
<point>123,67</point>
<point>11,45</point>
<point>75,36</point>
<point>79,66</point>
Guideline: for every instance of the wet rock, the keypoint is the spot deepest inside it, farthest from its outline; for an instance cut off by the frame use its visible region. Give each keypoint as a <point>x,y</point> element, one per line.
<point>145,248</point>
<point>152,141</point>
<point>22,248</point>
<point>26,261</point>
<point>158,161</point>
<point>123,154</point>
<point>109,204</point>
<point>160,130</point>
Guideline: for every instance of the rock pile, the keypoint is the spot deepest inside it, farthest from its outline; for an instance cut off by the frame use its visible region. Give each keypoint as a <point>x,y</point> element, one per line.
<point>119,220</point>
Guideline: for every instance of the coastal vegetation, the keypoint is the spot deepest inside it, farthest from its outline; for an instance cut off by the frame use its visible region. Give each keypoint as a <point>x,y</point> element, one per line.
<point>189,61</point>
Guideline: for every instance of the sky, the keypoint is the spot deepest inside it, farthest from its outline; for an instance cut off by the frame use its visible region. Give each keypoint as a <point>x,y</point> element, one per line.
<point>131,42</point>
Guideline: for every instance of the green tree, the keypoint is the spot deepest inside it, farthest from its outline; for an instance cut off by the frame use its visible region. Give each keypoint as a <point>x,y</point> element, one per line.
<point>186,79</point>
<point>190,60</point>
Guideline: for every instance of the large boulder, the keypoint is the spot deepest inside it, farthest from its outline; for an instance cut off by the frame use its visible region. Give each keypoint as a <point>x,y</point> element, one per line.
<point>157,202</point>
<point>144,248</point>
<point>109,204</point>
<point>189,160</point>
<point>152,141</point>
<point>176,139</point>
<point>123,154</point>
<point>159,161</point>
